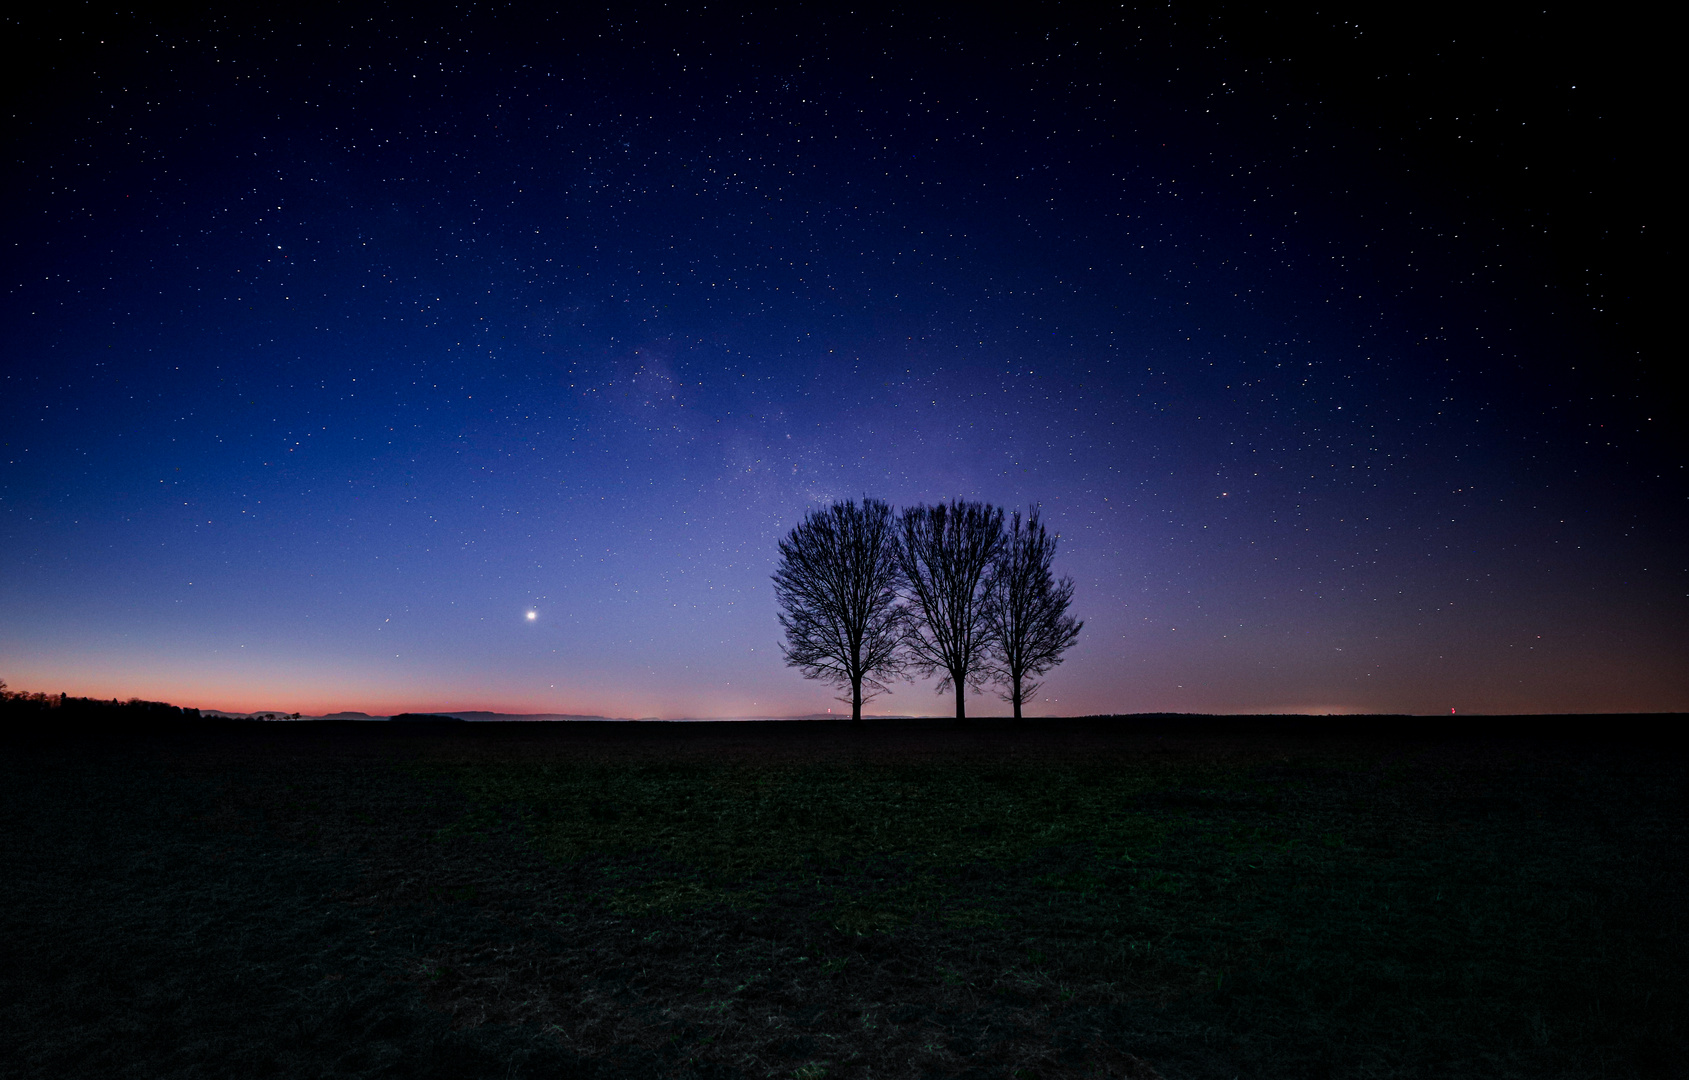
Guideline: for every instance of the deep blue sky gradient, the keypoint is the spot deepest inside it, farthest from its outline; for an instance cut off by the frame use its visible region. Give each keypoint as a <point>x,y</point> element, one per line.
<point>333,346</point>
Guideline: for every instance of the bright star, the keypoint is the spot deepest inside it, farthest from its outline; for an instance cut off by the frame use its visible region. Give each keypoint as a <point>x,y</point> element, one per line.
<point>532,615</point>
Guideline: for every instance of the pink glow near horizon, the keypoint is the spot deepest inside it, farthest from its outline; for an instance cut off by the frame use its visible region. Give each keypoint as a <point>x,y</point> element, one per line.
<point>299,692</point>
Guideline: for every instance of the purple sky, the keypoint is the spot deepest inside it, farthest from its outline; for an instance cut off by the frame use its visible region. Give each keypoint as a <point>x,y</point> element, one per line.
<point>334,348</point>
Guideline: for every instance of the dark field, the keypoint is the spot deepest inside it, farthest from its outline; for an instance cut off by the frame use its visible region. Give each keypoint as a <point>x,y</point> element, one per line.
<point>1072,899</point>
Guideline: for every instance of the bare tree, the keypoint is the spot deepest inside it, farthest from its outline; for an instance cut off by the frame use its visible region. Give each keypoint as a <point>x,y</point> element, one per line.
<point>946,552</point>
<point>1027,609</point>
<point>837,586</point>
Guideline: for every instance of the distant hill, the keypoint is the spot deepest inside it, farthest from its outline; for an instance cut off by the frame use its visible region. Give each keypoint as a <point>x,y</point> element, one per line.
<point>483,716</point>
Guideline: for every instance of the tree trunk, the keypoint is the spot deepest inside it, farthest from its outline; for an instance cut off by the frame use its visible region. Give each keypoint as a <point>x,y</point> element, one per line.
<point>856,701</point>
<point>1017,699</point>
<point>961,709</point>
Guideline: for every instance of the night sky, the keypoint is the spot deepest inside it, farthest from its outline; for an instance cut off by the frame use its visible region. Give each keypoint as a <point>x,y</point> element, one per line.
<point>1334,348</point>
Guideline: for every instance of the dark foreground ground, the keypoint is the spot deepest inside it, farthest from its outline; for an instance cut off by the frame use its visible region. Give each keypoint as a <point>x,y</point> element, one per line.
<point>1170,898</point>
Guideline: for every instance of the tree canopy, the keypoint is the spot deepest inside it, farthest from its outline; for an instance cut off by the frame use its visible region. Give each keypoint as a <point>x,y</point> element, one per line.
<point>946,553</point>
<point>1026,610</point>
<point>837,586</point>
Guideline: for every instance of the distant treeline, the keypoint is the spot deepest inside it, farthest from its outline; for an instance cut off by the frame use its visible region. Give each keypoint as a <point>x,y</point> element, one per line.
<point>20,710</point>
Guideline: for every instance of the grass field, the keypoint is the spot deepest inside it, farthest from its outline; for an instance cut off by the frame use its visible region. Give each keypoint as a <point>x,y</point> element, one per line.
<point>808,900</point>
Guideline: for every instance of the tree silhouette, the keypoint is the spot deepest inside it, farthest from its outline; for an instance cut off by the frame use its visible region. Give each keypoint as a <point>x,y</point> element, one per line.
<point>946,552</point>
<point>1026,610</point>
<point>837,588</point>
